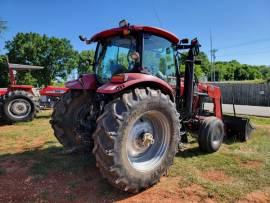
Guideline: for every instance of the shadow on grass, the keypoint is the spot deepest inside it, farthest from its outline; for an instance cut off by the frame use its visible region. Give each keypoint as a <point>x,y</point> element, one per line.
<point>195,151</point>
<point>78,172</point>
<point>3,122</point>
<point>190,152</point>
<point>44,116</point>
<point>230,140</point>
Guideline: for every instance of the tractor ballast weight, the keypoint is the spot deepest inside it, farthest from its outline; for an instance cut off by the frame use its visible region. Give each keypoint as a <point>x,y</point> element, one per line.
<point>135,109</point>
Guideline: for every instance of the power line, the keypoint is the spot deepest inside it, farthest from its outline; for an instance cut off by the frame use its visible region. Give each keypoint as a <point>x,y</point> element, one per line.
<point>243,54</point>
<point>246,43</point>
<point>156,14</point>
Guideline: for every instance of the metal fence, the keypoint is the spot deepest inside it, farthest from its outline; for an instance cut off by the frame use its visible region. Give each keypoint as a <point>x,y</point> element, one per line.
<point>245,93</point>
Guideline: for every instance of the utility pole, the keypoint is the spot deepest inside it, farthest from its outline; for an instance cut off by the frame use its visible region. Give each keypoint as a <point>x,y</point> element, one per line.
<point>211,56</point>
<point>212,59</point>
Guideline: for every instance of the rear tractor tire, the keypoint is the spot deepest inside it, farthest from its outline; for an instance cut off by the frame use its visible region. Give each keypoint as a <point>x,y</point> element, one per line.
<point>211,134</point>
<point>20,106</point>
<point>72,121</point>
<point>136,139</point>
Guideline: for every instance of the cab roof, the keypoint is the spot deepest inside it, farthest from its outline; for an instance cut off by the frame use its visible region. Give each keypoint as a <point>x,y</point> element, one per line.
<point>153,30</point>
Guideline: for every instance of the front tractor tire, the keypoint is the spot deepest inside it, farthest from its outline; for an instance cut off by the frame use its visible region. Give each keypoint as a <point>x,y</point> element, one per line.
<point>136,139</point>
<point>20,106</point>
<point>72,122</point>
<point>211,134</point>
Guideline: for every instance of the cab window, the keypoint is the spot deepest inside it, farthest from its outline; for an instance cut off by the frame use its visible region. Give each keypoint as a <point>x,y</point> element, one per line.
<point>113,56</point>
<point>158,57</point>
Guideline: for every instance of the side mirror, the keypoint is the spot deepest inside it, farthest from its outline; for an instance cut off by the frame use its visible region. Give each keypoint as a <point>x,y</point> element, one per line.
<point>82,38</point>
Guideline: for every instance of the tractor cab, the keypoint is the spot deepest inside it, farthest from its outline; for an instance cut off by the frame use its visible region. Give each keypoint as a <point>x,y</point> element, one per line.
<point>135,49</point>
<point>138,52</point>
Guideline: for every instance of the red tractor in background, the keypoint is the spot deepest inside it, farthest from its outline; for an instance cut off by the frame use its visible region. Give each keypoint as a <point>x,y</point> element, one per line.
<point>22,102</point>
<point>49,95</point>
<point>136,110</point>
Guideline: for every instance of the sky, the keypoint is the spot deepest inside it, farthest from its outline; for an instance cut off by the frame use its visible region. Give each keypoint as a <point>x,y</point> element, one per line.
<point>240,28</point>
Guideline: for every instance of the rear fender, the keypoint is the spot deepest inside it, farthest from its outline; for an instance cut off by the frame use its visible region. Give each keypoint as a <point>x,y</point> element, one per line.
<point>84,82</point>
<point>137,80</point>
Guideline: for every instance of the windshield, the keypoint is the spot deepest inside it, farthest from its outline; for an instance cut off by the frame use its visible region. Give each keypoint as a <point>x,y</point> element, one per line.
<point>115,55</point>
<point>158,57</point>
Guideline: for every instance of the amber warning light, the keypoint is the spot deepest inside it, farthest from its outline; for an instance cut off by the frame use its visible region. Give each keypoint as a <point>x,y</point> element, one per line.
<point>119,78</point>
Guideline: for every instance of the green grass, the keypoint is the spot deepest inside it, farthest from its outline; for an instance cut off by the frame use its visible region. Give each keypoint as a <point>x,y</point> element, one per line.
<point>34,142</point>
<point>259,120</point>
<point>232,159</point>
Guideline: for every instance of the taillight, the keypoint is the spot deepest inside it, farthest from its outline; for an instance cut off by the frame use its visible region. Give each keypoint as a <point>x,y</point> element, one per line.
<point>119,78</point>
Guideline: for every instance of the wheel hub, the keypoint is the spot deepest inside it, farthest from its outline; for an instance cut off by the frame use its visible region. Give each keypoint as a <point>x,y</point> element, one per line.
<point>19,108</point>
<point>148,141</point>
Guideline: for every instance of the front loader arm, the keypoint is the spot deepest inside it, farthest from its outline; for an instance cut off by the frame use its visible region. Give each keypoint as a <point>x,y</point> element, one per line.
<point>214,93</point>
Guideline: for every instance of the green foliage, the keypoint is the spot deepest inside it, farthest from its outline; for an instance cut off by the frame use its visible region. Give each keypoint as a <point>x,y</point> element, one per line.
<point>231,70</point>
<point>122,59</point>
<point>200,70</point>
<point>162,64</point>
<point>85,61</point>
<point>3,26</point>
<point>56,56</point>
<point>3,71</point>
<point>25,78</point>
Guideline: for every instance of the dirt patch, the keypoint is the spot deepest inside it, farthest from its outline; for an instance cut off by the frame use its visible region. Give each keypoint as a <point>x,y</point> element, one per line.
<point>216,176</point>
<point>251,164</point>
<point>257,197</point>
<point>169,190</point>
<point>17,184</point>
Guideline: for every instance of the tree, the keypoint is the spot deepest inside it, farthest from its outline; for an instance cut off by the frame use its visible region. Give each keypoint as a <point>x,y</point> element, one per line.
<point>3,71</point>
<point>3,26</point>
<point>200,70</point>
<point>57,56</point>
<point>85,61</point>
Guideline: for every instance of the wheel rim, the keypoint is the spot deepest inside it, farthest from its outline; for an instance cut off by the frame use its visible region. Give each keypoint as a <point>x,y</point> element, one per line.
<point>217,135</point>
<point>19,108</point>
<point>148,141</point>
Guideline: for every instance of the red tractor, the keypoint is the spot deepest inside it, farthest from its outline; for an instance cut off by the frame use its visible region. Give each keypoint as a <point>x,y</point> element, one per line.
<point>49,95</point>
<point>22,102</point>
<point>19,102</point>
<point>136,109</point>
